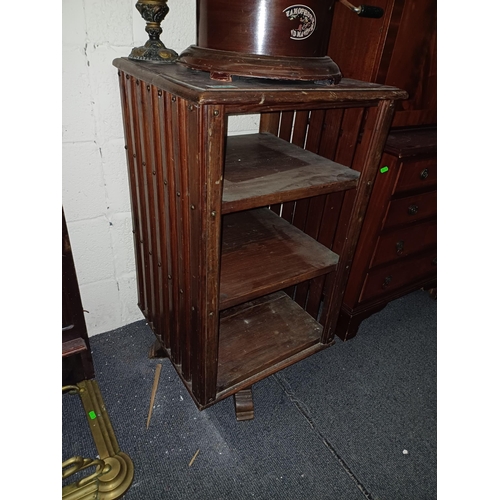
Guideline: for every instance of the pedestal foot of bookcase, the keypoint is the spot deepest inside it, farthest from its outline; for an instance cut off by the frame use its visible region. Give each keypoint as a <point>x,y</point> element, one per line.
<point>243,404</point>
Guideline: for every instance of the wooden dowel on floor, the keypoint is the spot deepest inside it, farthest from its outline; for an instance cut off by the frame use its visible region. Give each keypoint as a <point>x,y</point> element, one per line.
<point>153,392</point>
<point>194,458</point>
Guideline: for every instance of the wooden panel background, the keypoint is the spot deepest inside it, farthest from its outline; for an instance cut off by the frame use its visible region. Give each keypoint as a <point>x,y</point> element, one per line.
<point>398,49</point>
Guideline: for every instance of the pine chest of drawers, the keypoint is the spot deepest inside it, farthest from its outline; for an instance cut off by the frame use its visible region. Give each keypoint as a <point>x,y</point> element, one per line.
<point>397,250</point>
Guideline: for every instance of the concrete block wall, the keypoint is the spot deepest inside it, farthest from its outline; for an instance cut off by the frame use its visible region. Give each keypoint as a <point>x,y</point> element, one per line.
<point>95,191</point>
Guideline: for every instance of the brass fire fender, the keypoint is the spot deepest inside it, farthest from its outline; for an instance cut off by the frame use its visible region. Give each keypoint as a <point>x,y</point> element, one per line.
<point>114,470</point>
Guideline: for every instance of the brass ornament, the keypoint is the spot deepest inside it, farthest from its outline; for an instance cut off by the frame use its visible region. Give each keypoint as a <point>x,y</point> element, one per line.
<point>114,470</point>
<point>153,12</point>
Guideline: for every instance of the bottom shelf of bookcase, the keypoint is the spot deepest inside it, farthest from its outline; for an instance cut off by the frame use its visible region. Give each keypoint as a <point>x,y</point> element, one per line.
<point>261,337</point>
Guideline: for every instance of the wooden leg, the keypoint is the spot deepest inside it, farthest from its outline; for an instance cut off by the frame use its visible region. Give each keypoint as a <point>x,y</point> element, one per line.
<point>243,404</point>
<point>348,325</point>
<point>157,351</point>
<point>431,288</point>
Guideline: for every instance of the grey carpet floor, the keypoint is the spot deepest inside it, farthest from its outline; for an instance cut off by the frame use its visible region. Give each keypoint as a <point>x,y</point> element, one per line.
<point>356,421</point>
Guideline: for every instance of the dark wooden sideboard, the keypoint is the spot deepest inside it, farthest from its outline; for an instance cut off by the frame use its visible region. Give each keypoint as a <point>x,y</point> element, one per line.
<point>397,250</point>
<point>243,246</point>
<point>77,362</point>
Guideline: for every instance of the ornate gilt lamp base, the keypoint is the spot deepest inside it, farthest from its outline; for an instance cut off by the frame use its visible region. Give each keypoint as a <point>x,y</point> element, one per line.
<point>154,52</point>
<point>153,12</point>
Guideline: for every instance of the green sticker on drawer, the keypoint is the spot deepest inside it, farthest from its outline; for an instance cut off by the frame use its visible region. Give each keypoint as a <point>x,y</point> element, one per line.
<point>92,415</point>
<point>385,169</point>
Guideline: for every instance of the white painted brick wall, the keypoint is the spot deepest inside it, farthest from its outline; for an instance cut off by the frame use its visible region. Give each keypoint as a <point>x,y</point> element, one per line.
<point>95,192</point>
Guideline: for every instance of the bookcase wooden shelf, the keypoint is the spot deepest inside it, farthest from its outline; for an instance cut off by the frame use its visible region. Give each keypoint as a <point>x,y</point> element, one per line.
<point>262,253</point>
<point>261,169</point>
<point>242,248</point>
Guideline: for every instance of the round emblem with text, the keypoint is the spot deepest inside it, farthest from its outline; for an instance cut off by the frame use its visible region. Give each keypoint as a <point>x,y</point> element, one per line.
<point>306,19</point>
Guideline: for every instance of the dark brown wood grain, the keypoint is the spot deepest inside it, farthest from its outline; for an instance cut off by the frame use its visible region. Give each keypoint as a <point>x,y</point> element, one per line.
<point>330,131</point>
<point>314,130</point>
<point>290,256</point>
<point>401,243</point>
<point>210,139</point>
<point>411,209</point>
<point>130,124</point>
<point>263,39</point>
<point>210,256</point>
<point>224,66</point>
<point>391,237</point>
<point>256,27</point>
<point>385,279</point>
<point>312,228</point>
<point>329,219</point>
<point>413,64</point>
<point>184,251</point>
<point>256,95</point>
<point>366,160</point>
<point>150,160</point>
<point>77,362</point>
<point>412,142</point>
<point>300,127</point>
<point>258,335</point>
<point>146,216</point>
<point>286,125</point>
<point>261,168</point>
<point>399,49</point>
<point>244,405</point>
<point>156,176</point>
<point>372,226</point>
<point>71,347</point>
<point>174,131</point>
<point>165,236</point>
<point>357,43</point>
<point>269,122</point>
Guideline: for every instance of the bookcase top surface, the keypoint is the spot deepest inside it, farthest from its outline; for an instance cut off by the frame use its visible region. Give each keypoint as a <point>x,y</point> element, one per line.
<point>197,86</point>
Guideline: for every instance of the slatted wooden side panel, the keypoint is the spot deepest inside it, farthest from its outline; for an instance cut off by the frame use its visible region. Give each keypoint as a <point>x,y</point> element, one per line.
<point>175,187</point>
<point>146,161</point>
<point>334,134</point>
<point>210,146</point>
<point>168,222</point>
<point>130,129</point>
<point>376,124</point>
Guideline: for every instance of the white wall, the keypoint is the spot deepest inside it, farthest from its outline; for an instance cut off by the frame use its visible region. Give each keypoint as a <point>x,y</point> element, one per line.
<point>95,193</point>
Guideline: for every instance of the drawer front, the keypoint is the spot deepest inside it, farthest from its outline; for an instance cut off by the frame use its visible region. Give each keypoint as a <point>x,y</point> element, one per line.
<point>417,174</point>
<point>389,278</point>
<point>411,209</point>
<point>404,242</point>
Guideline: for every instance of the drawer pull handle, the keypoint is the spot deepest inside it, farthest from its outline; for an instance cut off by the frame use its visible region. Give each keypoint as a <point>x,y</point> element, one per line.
<point>424,174</point>
<point>413,209</point>
<point>387,281</point>
<point>399,247</point>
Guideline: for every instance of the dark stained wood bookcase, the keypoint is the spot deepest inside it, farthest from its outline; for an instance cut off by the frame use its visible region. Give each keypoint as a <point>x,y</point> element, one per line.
<point>238,271</point>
